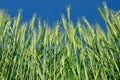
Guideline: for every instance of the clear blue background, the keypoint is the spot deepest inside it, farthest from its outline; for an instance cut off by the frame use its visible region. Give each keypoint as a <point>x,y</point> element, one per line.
<point>53,9</point>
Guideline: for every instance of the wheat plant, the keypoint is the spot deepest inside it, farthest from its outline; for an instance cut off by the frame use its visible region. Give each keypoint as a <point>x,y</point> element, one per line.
<point>79,52</point>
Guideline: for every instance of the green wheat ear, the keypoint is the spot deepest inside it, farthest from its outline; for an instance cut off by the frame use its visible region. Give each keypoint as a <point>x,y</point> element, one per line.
<point>68,12</point>
<point>1,16</point>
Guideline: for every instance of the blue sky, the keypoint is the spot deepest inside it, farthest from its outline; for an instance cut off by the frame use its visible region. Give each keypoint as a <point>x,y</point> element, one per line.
<point>53,9</point>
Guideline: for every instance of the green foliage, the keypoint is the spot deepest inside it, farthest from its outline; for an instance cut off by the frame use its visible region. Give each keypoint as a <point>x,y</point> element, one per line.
<point>77,53</point>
